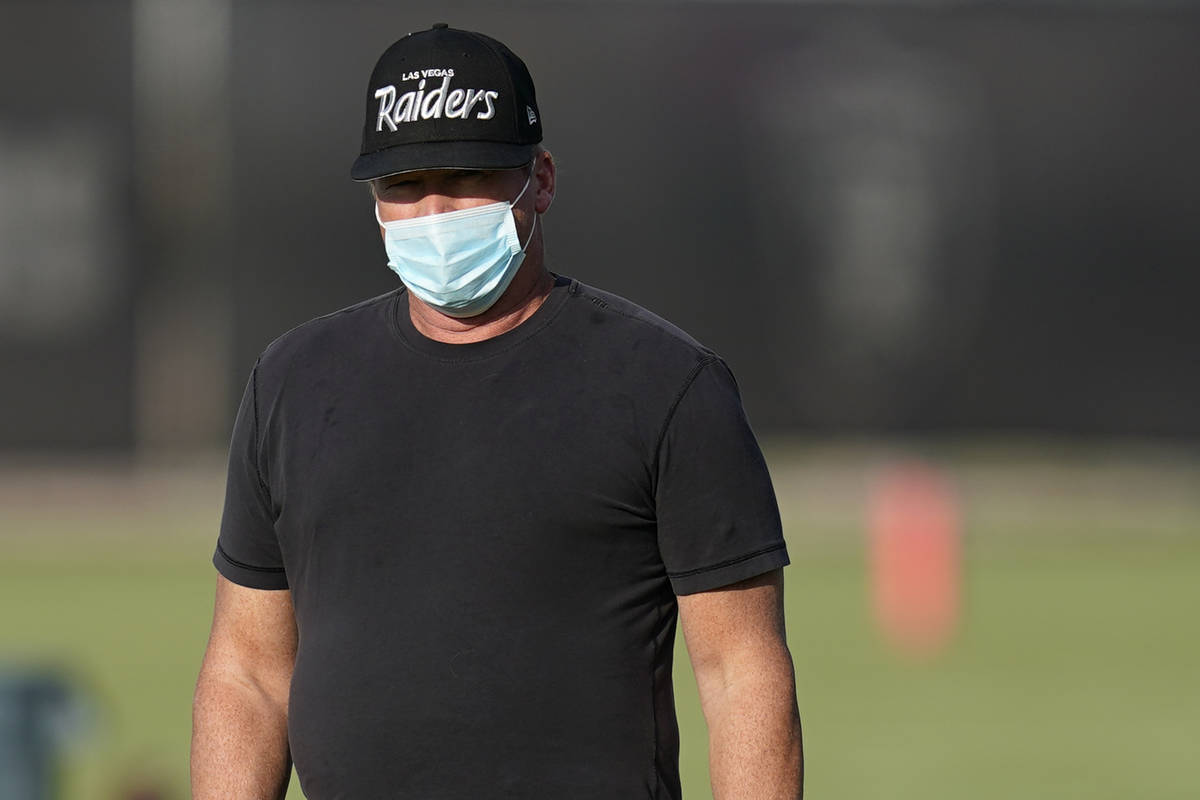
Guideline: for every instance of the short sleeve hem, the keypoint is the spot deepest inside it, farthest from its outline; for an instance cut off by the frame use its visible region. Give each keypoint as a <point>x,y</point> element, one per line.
<point>731,571</point>
<point>248,575</point>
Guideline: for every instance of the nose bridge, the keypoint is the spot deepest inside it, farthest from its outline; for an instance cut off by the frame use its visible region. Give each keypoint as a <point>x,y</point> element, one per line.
<point>438,197</point>
<point>436,201</point>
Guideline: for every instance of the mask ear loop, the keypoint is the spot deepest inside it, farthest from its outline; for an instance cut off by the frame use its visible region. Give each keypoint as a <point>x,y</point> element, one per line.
<point>536,216</point>
<point>532,169</point>
<point>532,228</point>
<point>520,194</point>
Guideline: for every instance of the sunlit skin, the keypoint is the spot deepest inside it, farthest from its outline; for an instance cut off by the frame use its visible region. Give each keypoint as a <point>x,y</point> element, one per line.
<point>436,191</point>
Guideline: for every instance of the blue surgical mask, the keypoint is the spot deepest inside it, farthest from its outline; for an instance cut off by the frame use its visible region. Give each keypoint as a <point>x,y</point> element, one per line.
<point>459,262</point>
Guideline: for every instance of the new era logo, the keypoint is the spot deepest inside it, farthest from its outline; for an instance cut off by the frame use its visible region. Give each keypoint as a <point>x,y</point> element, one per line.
<point>529,113</point>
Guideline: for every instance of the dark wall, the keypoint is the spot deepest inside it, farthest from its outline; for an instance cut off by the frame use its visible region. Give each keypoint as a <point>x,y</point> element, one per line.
<point>68,255</point>
<point>898,219</point>
<point>892,219</point>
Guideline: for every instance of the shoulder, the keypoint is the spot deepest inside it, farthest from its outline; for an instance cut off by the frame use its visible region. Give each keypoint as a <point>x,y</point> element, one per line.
<point>329,336</point>
<point>636,327</point>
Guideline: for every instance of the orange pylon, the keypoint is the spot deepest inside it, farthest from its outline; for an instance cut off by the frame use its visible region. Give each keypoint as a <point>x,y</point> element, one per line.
<point>915,553</point>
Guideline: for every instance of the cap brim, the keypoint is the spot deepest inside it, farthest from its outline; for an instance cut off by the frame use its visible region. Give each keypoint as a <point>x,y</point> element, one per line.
<point>440,155</point>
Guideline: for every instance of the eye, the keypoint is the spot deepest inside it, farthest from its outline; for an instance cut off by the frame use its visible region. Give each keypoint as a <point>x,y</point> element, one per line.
<point>403,187</point>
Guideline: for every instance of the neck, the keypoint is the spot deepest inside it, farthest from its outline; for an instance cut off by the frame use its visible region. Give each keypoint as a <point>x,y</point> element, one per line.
<point>525,295</point>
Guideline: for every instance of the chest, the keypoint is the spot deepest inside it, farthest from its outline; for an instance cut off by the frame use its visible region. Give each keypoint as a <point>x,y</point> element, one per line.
<point>489,465</point>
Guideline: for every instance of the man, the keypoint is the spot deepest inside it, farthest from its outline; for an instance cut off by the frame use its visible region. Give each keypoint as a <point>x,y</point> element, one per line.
<point>461,517</point>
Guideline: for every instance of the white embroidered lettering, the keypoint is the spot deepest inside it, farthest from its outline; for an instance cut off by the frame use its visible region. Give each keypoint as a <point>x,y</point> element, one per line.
<point>404,108</point>
<point>440,101</point>
<point>387,98</point>
<point>473,97</point>
<point>454,103</point>
<point>438,96</point>
<point>490,111</point>
<point>416,112</point>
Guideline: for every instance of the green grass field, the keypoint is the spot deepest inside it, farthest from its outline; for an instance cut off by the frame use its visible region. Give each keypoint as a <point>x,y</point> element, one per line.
<point>1074,672</point>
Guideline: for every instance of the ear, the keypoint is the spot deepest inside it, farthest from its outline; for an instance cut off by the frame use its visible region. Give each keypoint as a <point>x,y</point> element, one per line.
<point>544,175</point>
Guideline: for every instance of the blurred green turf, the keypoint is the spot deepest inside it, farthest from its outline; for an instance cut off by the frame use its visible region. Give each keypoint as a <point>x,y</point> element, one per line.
<point>1074,673</point>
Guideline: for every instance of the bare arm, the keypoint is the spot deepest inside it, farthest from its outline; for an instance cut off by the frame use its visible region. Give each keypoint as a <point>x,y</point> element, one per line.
<point>239,717</point>
<point>735,637</point>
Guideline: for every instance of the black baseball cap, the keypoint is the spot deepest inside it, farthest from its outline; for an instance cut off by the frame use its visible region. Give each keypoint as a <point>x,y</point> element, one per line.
<point>447,98</point>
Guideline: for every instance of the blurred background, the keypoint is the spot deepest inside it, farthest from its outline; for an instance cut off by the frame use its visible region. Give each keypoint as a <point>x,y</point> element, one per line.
<point>949,249</point>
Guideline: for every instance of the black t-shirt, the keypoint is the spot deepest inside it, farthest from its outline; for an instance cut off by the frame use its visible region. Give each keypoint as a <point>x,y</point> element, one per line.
<point>484,543</point>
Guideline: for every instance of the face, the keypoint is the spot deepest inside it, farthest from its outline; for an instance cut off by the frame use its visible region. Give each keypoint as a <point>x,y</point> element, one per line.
<point>423,193</point>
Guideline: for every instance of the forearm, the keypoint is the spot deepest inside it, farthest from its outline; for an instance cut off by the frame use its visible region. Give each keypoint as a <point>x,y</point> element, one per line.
<point>755,749</point>
<point>239,740</point>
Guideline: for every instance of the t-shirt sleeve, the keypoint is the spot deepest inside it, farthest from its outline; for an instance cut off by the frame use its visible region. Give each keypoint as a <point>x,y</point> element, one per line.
<point>718,522</point>
<point>247,549</point>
